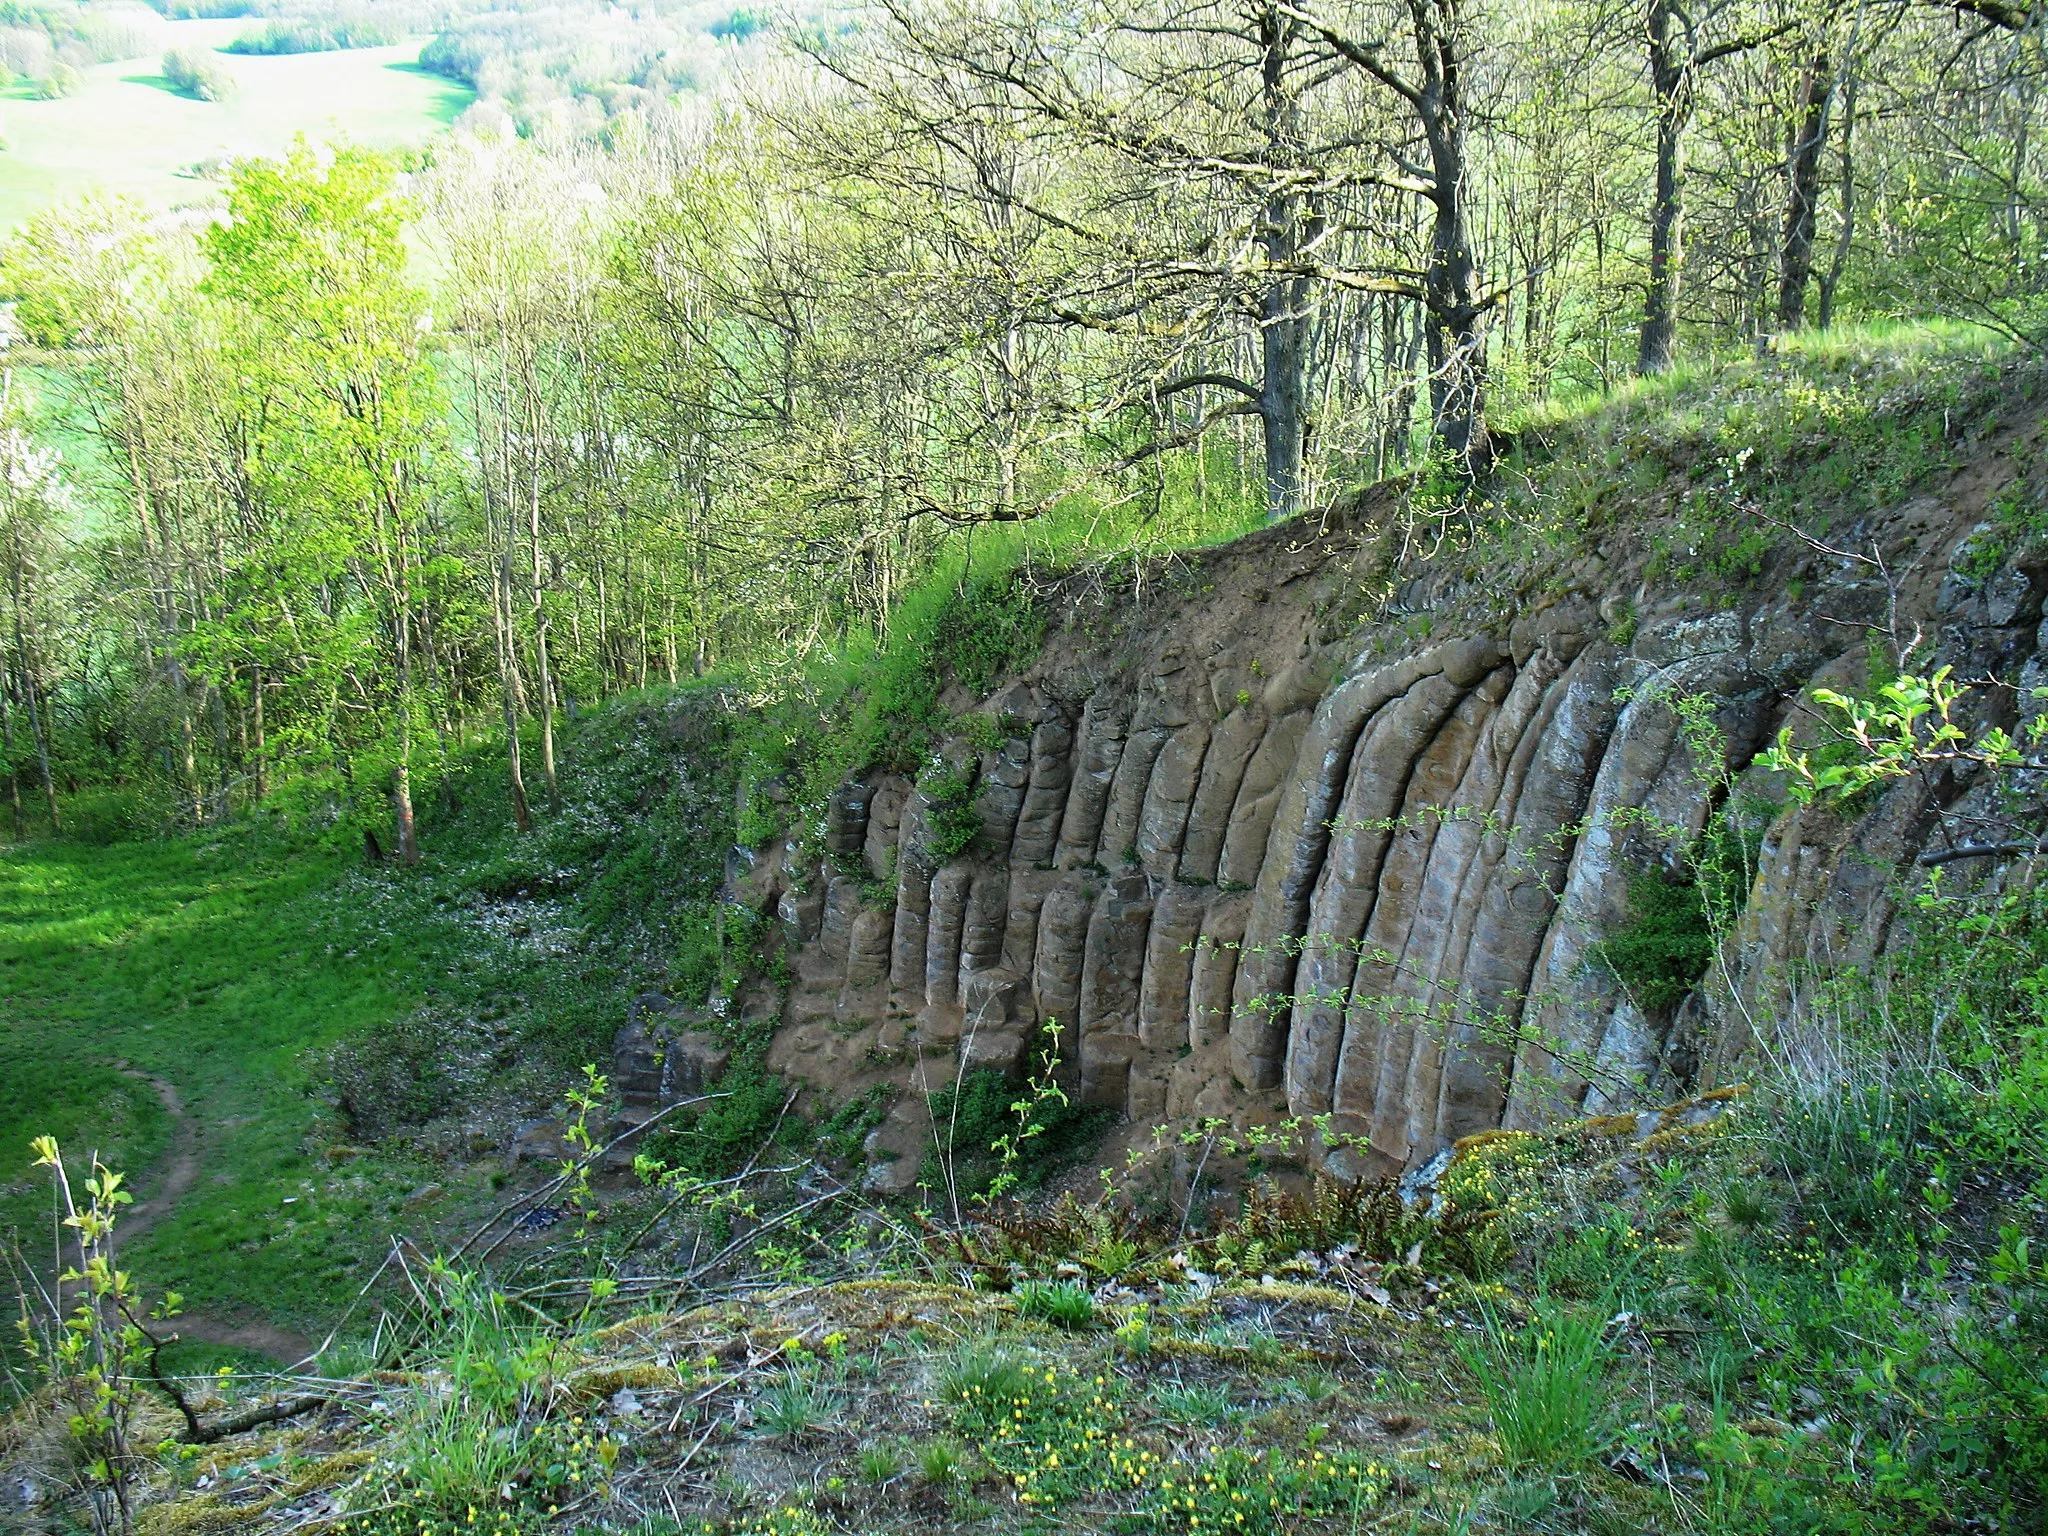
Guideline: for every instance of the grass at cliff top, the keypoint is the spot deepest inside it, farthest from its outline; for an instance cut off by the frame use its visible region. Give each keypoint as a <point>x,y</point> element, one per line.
<point>223,965</point>
<point>126,131</point>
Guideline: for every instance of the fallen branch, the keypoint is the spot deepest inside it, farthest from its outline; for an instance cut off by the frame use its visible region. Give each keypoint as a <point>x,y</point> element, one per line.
<point>197,1431</point>
<point>2031,847</point>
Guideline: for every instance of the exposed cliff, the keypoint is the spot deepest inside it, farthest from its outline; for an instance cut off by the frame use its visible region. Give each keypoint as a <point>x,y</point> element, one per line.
<point>1316,824</point>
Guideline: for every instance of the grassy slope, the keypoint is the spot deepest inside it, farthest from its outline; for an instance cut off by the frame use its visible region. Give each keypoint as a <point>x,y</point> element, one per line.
<point>128,132</point>
<point>229,962</point>
<point>222,966</point>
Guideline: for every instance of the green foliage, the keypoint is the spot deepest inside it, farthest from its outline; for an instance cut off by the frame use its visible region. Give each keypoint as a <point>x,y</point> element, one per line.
<point>1366,1213</point>
<point>324,29</point>
<point>1861,1160</point>
<point>1664,948</point>
<point>92,1359</point>
<point>844,1135</point>
<point>880,1464</point>
<point>1677,919</point>
<point>716,944</point>
<point>938,1464</point>
<point>380,996</point>
<point>796,1405</point>
<point>72,1099</point>
<point>713,1140</point>
<point>1594,1259</point>
<point>955,821</point>
<point>969,1121</point>
<point>490,1435</point>
<point>393,1078</point>
<point>1222,1491</point>
<point>1910,723</point>
<point>1207,1405</point>
<point>986,1383</point>
<point>984,628</point>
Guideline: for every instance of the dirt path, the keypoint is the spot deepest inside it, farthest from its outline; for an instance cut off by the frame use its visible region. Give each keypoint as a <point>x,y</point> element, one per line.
<point>174,1175</point>
<point>178,1169</point>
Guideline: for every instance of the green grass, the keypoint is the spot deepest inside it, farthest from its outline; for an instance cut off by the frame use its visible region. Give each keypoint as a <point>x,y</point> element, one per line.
<point>224,966</point>
<point>230,963</point>
<point>126,131</point>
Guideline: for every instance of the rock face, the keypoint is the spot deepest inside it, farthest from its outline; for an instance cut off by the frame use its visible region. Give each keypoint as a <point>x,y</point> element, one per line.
<point>1251,864</point>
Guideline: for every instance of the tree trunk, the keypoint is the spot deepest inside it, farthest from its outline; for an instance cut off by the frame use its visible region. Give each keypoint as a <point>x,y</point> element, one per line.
<point>407,833</point>
<point>1803,157</point>
<point>1832,278</point>
<point>508,690</point>
<point>7,745</point>
<point>224,766</point>
<point>408,841</point>
<point>1456,336</point>
<point>544,683</point>
<point>39,728</point>
<point>1283,310</point>
<point>1281,387</point>
<point>1654,352</point>
<point>257,757</point>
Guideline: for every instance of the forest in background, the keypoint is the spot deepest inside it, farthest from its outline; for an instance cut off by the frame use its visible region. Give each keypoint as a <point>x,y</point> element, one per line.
<point>400,453</point>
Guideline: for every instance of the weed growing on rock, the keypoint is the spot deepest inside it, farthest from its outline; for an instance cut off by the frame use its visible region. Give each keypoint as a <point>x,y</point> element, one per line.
<point>1541,1384</point>
<point>1203,1404</point>
<point>1064,1304</point>
<point>796,1406</point>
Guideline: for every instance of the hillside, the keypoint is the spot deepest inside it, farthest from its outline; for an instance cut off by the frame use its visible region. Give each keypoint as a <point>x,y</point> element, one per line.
<point>1521,1100</point>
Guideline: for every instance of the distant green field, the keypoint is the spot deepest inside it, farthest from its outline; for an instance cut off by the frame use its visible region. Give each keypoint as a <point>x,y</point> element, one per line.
<point>127,131</point>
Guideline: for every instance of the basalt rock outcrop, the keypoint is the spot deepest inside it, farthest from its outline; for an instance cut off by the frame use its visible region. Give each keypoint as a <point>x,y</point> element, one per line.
<point>1257,858</point>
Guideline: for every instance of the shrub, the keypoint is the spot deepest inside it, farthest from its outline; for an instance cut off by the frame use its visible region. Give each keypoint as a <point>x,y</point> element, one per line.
<point>985,628</point>
<point>716,942</point>
<point>393,1078</point>
<point>197,75</point>
<point>716,1139</point>
<point>1664,948</point>
<point>1676,917</point>
<point>955,822</point>
<point>61,81</point>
